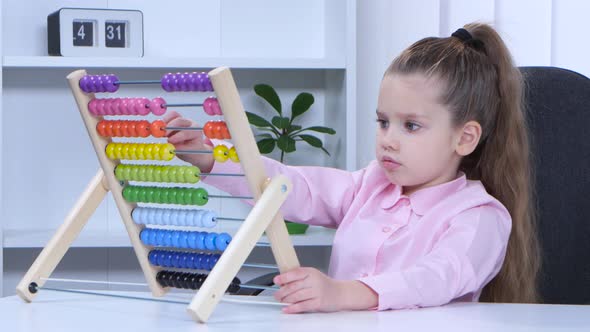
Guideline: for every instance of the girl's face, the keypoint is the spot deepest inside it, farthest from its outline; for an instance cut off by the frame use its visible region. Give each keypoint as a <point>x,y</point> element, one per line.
<point>416,142</point>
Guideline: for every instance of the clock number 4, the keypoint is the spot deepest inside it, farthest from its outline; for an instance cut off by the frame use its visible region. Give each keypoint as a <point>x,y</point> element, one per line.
<point>83,33</point>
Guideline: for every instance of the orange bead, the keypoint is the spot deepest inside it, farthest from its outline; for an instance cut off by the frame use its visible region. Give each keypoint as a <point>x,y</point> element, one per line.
<point>225,132</point>
<point>157,128</point>
<point>109,129</point>
<point>125,128</point>
<point>101,128</point>
<point>207,129</point>
<point>143,128</point>
<point>132,129</point>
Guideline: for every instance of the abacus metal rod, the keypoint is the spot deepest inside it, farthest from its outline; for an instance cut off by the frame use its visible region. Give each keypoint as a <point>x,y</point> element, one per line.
<point>110,283</point>
<point>222,174</point>
<point>138,82</point>
<point>128,297</point>
<point>182,105</point>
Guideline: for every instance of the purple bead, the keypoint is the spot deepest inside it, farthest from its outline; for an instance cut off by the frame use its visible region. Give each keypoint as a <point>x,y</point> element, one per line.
<point>182,82</point>
<point>191,81</point>
<point>208,86</point>
<point>110,85</point>
<point>166,82</point>
<point>84,83</point>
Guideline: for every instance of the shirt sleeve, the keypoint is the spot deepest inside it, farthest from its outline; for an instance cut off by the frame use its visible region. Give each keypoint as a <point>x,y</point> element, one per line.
<point>320,195</point>
<point>467,256</point>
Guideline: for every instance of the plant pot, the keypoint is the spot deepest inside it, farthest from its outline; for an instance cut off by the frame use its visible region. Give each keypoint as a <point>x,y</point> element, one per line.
<point>296,228</point>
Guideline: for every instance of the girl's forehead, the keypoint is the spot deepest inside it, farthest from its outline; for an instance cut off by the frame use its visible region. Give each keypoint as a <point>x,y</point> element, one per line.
<point>415,93</point>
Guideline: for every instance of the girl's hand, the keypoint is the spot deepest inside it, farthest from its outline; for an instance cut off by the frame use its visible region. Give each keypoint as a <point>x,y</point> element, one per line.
<point>307,289</point>
<point>189,140</point>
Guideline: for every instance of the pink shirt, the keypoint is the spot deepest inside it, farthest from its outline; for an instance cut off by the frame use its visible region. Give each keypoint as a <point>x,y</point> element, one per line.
<point>439,244</point>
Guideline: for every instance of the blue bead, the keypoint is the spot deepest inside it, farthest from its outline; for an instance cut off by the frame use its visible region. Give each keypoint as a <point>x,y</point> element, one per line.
<point>161,258</point>
<point>213,260</point>
<point>222,241</point>
<point>160,238</point>
<point>167,239</point>
<point>174,260</point>
<point>166,217</point>
<point>192,240</point>
<point>183,240</point>
<point>210,241</point>
<point>158,216</point>
<point>167,260</point>
<point>153,257</point>
<point>209,219</point>
<point>201,240</point>
<point>205,262</point>
<point>175,239</point>
<point>135,216</point>
<point>143,236</point>
<point>152,238</point>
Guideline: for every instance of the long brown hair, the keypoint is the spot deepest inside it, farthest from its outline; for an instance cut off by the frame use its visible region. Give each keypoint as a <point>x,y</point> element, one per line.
<point>482,84</point>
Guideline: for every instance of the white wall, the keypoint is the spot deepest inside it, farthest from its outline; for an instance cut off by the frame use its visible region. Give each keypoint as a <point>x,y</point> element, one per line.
<point>538,33</point>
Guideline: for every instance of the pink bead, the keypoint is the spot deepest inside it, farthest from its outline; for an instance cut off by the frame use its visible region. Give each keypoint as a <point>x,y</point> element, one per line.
<point>208,105</point>
<point>216,107</point>
<point>100,107</point>
<point>108,106</point>
<point>124,107</point>
<point>92,107</point>
<point>157,106</point>
<point>116,105</point>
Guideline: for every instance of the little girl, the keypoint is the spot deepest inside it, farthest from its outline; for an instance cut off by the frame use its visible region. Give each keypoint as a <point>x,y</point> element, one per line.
<point>443,211</point>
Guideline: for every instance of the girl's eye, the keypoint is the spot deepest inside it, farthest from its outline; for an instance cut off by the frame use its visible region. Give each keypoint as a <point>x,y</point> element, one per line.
<point>383,124</point>
<point>411,126</point>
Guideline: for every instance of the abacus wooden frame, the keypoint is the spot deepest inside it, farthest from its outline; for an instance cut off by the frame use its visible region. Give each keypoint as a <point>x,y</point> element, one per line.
<point>264,216</point>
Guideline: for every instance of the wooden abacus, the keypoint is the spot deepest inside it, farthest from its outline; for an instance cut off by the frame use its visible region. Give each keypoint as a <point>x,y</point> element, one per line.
<point>269,194</point>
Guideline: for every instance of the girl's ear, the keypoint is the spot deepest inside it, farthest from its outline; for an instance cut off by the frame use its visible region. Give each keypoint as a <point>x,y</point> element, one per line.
<point>468,138</point>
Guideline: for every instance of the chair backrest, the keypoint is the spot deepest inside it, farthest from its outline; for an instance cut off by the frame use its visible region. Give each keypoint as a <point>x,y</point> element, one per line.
<point>558,106</point>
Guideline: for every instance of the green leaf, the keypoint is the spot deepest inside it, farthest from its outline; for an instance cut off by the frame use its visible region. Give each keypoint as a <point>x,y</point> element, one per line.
<point>301,104</point>
<point>280,122</point>
<point>269,94</point>
<point>286,144</point>
<point>257,120</point>
<point>264,136</point>
<point>312,140</point>
<point>266,145</point>
<point>321,129</point>
<point>292,128</point>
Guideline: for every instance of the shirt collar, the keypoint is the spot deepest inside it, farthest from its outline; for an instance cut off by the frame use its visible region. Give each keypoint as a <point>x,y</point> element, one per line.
<point>425,199</point>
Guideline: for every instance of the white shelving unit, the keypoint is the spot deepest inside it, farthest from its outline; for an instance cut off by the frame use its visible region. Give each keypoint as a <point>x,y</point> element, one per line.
<point>46,159</point>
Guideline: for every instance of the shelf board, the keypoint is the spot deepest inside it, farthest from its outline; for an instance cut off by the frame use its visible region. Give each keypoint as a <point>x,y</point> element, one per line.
<point>110,62</point>
<point>315,236</point>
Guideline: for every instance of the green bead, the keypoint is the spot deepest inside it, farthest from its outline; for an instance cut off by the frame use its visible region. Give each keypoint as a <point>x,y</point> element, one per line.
<point>180,196</point>
<point>164,174</point>
<point>119,170</point>
<point>140,173</point>
<point>157,174</point>
<point>142,195</point>
<point>149,173</point>
<point>172,174</point>
<point>200,196</point>
<point>191,174</point>
<point>164,196</point>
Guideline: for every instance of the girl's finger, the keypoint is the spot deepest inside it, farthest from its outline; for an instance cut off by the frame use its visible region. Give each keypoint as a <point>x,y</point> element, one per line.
<point>289,289</point>
<point>290,276</point>
<point>170,115</point>
<point>183,136</point>
<point>299,295</point>
<point>304,306</point>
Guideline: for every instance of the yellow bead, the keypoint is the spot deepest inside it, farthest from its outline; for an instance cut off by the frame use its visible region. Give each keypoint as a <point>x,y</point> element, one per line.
<point>139,152</point>
<point>132,152</point>
<point>220,153</point>
<point>119,150</point>
<point>155,151</point>
<point>148,152</point>
<point>233,155</point>
<point>125,151</point>
<point>110,151</point>
<point>166,152</point>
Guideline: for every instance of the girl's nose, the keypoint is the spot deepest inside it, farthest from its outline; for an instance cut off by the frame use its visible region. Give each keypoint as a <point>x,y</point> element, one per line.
<point>390,143</point>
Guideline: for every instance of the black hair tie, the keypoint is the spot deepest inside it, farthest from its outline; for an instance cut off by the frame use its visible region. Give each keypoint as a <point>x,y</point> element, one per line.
<point>467,39</point>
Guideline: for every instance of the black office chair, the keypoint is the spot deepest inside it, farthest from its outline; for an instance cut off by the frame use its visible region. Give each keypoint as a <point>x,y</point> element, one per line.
<point>558,105</point>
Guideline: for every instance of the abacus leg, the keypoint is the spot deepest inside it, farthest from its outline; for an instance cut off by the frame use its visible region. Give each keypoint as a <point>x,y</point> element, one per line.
<point>61,241</point>
<point>239,249</point>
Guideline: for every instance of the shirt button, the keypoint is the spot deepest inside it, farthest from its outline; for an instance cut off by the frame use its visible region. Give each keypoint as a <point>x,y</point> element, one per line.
<point>386,229</point>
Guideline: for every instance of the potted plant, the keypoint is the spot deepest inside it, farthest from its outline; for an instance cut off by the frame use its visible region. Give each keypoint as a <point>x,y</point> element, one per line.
<point>281,131</point>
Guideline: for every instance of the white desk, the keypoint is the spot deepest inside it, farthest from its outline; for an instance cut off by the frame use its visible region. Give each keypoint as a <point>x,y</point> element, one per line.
<point>53,311</point>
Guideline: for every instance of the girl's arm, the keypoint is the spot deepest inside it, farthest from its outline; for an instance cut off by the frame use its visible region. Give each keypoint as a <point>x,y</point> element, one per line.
<point>320,195</point>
